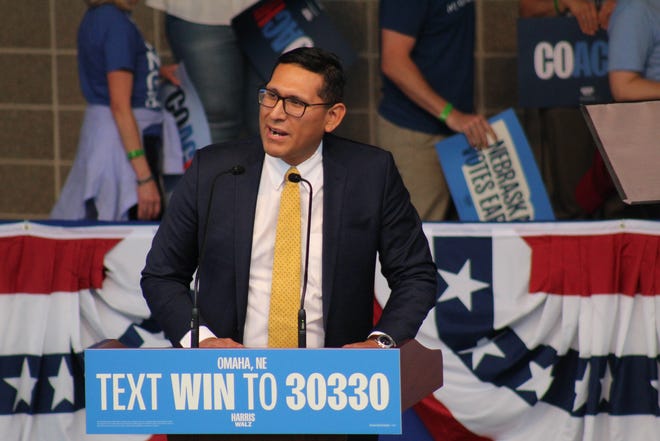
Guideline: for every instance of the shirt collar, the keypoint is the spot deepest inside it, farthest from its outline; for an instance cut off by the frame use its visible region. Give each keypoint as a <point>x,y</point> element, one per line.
<point>277,168</point>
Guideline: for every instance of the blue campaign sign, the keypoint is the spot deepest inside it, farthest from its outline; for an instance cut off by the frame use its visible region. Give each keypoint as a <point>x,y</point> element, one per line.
<point>499,184</point>
<point>559,66</point>
<point>269,28</point>
<point>185,106</point>
<point>243,391</point>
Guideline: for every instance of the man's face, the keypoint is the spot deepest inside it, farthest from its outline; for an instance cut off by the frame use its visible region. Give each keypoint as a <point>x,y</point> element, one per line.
<point>295,139</point>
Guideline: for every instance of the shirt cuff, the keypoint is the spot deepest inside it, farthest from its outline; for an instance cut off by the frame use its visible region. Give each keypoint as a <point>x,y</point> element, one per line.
<point>204,333</point>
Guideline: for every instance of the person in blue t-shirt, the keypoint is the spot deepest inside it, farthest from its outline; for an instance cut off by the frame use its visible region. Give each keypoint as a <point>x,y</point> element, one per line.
<point>634,51</point>
<point>634,75</point>
<point>427,64</point>
<point>112,177</point>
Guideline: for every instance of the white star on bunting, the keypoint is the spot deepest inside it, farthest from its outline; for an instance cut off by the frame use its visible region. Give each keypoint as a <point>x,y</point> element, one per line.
<point>582,389</point>
<point>461,285</point>
<point>606,384</point>
<point>484,347</point>
<point>540,381</point>
<point>62,385</point>
<point>23,385</point>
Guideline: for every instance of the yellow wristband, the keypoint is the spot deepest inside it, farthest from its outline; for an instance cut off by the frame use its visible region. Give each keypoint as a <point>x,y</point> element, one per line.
<point>134,154</point>
<point>445,112</point>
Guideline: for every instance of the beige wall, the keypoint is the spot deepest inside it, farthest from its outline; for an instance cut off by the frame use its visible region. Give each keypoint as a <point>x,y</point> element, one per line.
<point>41,105</point>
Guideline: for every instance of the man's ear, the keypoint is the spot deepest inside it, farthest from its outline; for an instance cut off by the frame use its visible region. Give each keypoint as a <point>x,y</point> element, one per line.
<point>334,116</point>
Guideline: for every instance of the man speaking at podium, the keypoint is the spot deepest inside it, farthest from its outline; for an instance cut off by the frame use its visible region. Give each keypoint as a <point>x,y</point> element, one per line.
<point>291,222</point>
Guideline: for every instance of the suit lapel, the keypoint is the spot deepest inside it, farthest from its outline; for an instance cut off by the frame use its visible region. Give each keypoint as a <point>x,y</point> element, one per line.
<point>334,188</point>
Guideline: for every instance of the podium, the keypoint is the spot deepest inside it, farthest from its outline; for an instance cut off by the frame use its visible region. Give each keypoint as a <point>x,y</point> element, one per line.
<point>627,135</point>
<point>420,374</point>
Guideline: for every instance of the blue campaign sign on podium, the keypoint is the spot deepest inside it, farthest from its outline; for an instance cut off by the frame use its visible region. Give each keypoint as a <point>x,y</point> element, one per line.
<point>243,391</point>
<point>499,184</point>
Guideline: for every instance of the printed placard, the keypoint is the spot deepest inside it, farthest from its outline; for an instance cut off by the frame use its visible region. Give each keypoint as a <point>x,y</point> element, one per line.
<point>243,391</point>
<point>559,66</point>
<point>271,27</point>
<point>499,184</point>
<point>185,106</point>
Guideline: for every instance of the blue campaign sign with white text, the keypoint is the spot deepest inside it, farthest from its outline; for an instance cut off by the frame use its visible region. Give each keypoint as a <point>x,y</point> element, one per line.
<point>499,184</point>
<point>269,28</point>
<point>559,66</point>
<point>243,391</point>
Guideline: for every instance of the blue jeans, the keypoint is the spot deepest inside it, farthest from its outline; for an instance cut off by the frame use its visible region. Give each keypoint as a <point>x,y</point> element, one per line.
<point>225,81</point>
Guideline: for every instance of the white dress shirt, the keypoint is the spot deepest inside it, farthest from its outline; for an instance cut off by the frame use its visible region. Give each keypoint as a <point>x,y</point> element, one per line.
<point>263,248</point>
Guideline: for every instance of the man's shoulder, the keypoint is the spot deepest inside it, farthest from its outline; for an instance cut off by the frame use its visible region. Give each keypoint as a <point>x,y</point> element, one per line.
<point>356,158</point>
<point>108,15</point>
<point>349,148</point>
<point>247,146</point>
<point>229,154</point>
<point>631,14</point>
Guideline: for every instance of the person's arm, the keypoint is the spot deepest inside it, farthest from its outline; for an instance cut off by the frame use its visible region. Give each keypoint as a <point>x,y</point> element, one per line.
<point>406,263</point>
<point>583,10</point>
<point>120,85</point>
<point>630,41</point>
<point>632,86</point>
<point>605,13</point>
<point>172,261</point>
<point>398,66</point>
<point>538,8</point>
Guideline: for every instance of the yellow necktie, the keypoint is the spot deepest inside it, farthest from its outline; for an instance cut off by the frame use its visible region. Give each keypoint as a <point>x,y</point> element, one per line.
<point>285,288</point>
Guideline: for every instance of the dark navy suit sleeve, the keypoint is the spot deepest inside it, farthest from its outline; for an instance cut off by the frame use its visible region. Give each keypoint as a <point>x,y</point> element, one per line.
<point>172,259</point>
<point>367,212</point>
<point>405,261</point>
<point>209,191</point>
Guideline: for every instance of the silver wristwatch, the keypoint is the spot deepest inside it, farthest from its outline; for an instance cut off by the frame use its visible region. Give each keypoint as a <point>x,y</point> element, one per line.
<point>383,341</point>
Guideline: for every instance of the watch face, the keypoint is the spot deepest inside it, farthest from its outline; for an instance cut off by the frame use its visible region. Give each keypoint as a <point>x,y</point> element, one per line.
<point>384,341</point>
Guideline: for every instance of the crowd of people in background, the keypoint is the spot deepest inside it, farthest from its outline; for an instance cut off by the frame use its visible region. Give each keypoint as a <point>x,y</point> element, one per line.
<point>427,66</point>
<point>200,35</point>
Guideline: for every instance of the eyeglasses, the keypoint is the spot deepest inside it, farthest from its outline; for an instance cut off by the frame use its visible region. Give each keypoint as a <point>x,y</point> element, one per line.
<point>292,106</point>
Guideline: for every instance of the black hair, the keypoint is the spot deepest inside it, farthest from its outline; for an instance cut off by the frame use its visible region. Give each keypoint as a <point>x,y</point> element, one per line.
<point>321,62</point>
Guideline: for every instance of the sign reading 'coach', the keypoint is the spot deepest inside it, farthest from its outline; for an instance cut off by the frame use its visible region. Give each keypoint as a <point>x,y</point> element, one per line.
<point>243,391</point>
<point>559,66</point>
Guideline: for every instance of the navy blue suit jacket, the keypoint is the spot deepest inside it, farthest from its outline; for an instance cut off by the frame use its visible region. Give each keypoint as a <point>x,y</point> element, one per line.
<point>366,211</point>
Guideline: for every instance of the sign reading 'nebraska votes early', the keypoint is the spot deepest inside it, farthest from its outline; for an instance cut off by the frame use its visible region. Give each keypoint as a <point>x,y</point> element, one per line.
<point>497,184</point>
<point>243,391</point>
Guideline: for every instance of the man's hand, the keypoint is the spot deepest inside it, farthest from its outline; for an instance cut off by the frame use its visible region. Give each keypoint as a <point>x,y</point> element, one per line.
<point>149,203</point>
<point>475,128</point>
<point>367,344</point>
<point>585,13</point>
<point>168,73</point>
<point>213,342</point>
<point>605,13</point>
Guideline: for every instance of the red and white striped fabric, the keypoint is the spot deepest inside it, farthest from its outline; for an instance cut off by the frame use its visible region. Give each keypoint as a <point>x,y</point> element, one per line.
<point>63,289</point>
<point>549,331</point>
